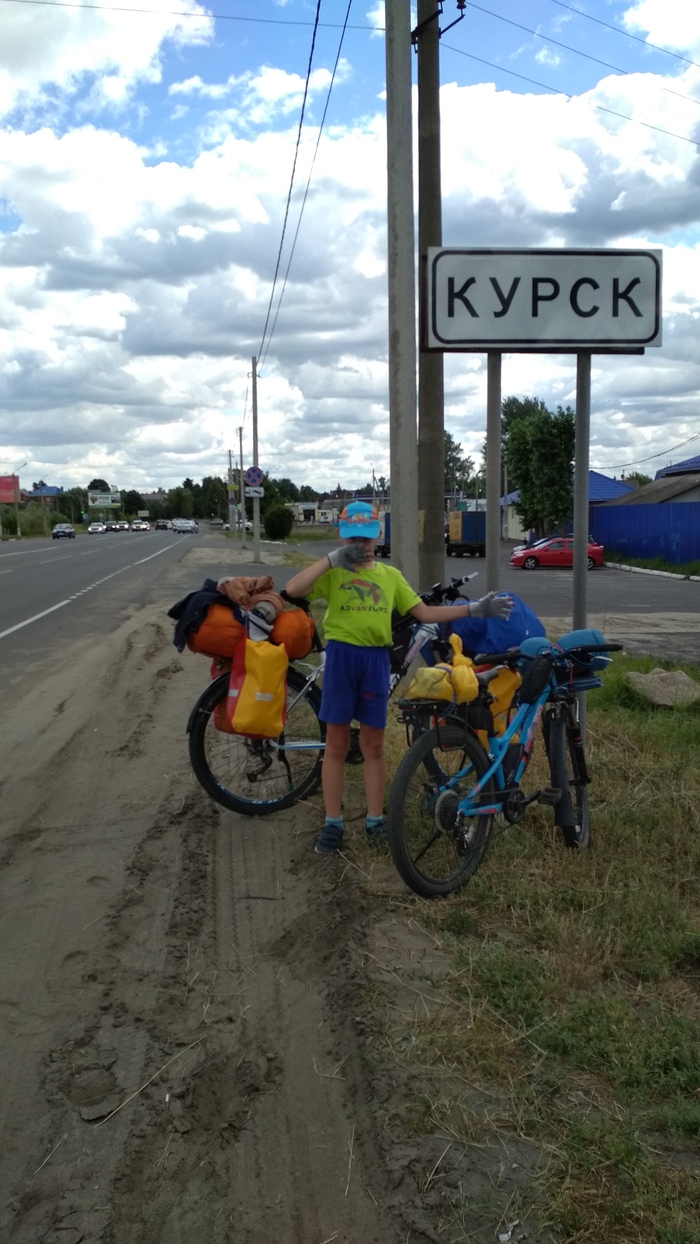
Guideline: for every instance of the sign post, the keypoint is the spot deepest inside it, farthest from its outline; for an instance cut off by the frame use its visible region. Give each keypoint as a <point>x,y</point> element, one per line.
<point>580,302</point>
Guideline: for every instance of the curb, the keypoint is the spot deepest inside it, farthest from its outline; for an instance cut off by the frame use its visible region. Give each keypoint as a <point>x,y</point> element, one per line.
<point>663,574</point>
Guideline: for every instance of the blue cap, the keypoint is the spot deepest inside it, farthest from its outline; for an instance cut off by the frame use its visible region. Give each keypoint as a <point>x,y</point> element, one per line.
<point>358,519</point>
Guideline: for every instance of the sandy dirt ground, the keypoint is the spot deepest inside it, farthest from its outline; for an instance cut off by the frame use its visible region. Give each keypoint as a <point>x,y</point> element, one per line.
<point>205,1029</point>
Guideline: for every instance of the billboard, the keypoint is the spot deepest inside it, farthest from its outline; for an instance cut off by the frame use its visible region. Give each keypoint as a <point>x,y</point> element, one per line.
<point>103,500</point>
<point>9,489</point>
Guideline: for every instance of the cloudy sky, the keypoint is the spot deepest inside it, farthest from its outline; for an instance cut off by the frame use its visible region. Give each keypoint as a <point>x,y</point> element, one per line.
<point>145,166</point>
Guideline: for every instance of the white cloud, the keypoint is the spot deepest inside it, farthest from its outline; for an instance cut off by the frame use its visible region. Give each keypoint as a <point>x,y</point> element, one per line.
<point>135,275</point>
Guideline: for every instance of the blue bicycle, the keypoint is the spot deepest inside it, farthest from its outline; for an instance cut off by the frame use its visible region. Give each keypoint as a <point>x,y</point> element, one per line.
<point>459,775</point>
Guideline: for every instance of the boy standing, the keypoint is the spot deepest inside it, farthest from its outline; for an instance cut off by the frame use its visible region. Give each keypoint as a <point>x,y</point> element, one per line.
<point>361,594</point>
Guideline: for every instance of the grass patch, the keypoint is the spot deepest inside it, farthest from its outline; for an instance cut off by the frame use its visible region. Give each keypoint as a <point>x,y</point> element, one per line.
<point>575,982</point>
<point>653,563</point>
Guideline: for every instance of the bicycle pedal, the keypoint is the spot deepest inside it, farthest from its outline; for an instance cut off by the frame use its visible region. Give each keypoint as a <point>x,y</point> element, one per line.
<point>549,795</point>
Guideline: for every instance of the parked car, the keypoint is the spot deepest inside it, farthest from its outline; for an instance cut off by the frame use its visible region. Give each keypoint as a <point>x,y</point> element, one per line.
<point>163,524</point>
<point>555,551</point>
<point>237,526</point>
<point>63,530</point>
<point>96,529</point>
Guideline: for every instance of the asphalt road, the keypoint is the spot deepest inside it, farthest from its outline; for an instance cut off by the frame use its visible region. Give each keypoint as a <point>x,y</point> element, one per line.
<point>54,592</point>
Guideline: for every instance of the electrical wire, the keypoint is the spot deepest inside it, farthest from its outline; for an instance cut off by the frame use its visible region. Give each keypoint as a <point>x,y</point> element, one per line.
<point>308,180</point>
<point>558,91</point>
<point>621,465</point>
<point>568,48</point>
<point>291,180</point>
<point>619,31</point>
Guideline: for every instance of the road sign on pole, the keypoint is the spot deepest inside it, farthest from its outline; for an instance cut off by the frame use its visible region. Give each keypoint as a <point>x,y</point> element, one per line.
<point>254,476</point>
<point>254,492</point>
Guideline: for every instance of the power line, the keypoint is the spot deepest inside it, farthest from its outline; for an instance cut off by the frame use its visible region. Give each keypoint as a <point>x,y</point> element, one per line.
<point>619,31</point>
<point>308,180</point>
<point>558,91</point>
<point>569,48</point>
<point>621,465</point>
<point>291,180</point>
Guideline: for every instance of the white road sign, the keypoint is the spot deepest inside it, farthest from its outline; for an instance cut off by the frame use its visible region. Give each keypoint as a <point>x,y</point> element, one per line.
<point>515,300</point>
<point>255,492</point>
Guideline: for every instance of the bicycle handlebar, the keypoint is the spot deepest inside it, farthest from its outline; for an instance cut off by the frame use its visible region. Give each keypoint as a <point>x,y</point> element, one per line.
<point>514,654</point>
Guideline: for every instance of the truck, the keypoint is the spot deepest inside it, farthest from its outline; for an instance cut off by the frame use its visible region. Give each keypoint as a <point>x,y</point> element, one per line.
<point>466,533</point>
<point>383,545</point>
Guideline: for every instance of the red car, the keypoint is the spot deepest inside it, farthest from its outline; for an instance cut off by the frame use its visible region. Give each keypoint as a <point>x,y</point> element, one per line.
<point>557,551</point>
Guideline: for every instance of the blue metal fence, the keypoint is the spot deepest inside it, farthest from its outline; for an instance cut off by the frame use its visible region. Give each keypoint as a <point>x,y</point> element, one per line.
<point>670,530</point>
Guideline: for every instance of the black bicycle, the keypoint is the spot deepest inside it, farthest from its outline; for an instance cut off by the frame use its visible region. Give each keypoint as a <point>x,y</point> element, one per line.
<point>257,776</point>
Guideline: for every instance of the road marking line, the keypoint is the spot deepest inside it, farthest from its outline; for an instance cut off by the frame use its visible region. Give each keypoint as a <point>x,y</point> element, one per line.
<point>83,590</point>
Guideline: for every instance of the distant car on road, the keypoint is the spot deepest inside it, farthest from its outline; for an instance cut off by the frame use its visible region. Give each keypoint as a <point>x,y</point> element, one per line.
<point>96,529</point>
<point>140,525</point>
<point>63,530</point>
<point>185,526</point>
<point>556,551</point>
<point>237,526</point>
<point>110,525</point>
<point>163,524</point>
<point>122,526</point>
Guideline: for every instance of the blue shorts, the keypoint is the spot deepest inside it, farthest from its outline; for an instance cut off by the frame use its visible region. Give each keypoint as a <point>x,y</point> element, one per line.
<point>355,685</point>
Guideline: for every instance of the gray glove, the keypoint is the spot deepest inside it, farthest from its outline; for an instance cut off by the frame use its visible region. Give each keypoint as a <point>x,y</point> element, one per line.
<point>347,557</point>
<point>491,606</point>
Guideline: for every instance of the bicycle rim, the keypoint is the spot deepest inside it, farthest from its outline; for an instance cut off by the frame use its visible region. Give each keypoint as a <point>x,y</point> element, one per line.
<point>259,776</point>
<point>433,856</point>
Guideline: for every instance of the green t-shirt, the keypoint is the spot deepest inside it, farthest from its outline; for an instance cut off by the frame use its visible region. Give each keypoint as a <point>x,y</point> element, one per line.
<point>360,603</point>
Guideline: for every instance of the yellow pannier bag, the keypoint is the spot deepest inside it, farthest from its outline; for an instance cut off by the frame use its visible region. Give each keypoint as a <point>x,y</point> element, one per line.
<point>257,689</point>
<point>503,687</point>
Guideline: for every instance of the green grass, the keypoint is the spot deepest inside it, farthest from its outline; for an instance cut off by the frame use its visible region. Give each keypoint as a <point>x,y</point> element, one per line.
<point>653,563</point>
<point>575,982</point>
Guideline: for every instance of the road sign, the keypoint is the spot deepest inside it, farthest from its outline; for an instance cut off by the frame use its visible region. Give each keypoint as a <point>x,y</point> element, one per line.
<point>255,492</point>
<point>254,476</point>
<point>519,300</point>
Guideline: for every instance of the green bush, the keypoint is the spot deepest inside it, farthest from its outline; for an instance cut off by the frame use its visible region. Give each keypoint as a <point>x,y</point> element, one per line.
<point>278,522</point>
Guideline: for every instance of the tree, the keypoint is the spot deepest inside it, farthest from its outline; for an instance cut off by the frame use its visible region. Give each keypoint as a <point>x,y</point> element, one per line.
<point>637,479</point>
<point>287,490</point>
<point>539,452</point>
<point>279,521</point>
<point>99,485</point>
<point>306,493</point>
<point>459,469</point>
<point>132,502</point>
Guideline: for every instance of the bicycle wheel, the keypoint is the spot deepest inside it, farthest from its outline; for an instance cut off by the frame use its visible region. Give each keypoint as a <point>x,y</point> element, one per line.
<point>567,767</point>
<point>258,776</point>
<point>433,856</point>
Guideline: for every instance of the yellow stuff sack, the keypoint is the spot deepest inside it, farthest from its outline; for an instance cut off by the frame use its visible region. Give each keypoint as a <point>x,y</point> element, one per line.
<point>431,683</point>
<point>257,689</point>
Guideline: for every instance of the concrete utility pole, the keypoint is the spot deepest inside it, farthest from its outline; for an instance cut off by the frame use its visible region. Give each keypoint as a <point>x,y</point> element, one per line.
<point>401,291</point>
<point>256,500</point>
<point>241,486</point>
<point>431,403</point>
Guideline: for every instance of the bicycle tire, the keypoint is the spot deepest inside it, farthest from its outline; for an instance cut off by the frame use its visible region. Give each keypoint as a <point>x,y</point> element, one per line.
<point>567,769</point>
<point>251,776</point>
<point>425,845</point>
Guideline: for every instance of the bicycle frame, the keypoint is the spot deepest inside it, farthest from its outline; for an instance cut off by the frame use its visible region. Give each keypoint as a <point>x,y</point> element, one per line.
<point>524,723</point>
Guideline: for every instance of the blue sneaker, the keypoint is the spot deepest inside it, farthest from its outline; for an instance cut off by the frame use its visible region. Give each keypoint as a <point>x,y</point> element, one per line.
<point>329,839</point>
<point>377,833</point>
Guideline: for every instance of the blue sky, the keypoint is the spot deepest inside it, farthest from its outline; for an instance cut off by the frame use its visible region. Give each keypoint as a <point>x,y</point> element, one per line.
<point>145,163</point>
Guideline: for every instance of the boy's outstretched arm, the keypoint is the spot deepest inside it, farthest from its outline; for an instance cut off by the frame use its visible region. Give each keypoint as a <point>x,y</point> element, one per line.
<point>490,606</point>
<point>345,558</point>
